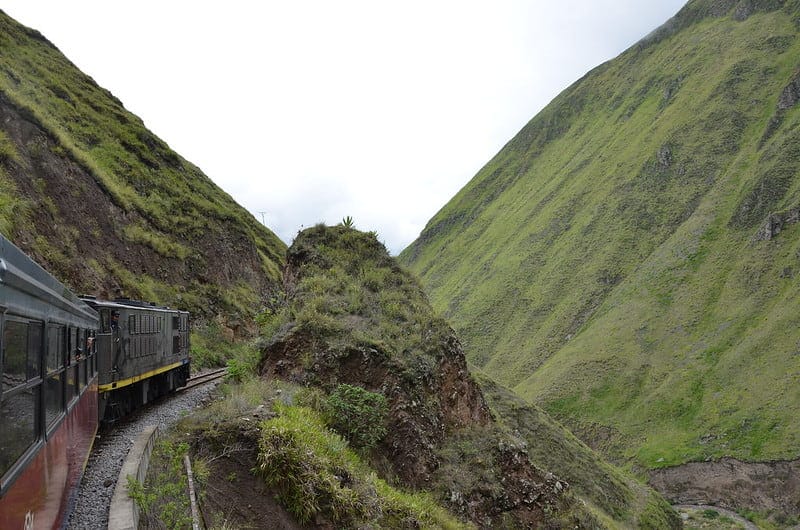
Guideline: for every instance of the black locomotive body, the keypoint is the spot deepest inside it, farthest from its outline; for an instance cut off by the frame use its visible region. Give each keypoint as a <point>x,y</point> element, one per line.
<point>142,353</point>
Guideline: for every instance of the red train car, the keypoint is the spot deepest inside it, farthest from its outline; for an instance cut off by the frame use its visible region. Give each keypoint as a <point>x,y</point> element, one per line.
<point>48,393</point>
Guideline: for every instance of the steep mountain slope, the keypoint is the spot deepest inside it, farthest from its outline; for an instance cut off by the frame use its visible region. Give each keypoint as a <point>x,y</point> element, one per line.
<point>629,260</point>
<point>354,316</point>
<point>105,205</point>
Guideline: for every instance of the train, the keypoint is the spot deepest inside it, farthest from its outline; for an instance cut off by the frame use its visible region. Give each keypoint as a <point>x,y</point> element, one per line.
<point>68,364</point>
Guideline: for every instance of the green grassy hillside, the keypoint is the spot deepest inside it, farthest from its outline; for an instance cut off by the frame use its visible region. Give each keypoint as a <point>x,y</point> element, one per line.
<point>108,207</point>
<point>617,262</point>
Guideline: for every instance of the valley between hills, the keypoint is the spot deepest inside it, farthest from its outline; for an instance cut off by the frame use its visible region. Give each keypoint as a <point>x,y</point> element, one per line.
<point>602,322</point>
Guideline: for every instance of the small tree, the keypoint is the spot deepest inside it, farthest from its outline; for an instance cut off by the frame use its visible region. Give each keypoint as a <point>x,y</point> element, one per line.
<point>357,414</point>
<point>347,222</point>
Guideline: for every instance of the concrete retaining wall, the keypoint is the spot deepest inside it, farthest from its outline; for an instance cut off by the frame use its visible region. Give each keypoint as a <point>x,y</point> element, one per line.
<point>124,514</point>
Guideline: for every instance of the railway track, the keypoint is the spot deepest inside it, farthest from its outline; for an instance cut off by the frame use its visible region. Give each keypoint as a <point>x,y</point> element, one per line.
<point>206,377</point>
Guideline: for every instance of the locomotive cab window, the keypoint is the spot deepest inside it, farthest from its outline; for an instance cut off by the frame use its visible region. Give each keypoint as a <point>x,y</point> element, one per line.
<point>105,324</point>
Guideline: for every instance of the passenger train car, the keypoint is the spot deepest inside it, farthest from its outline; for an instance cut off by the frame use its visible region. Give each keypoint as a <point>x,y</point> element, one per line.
<point>48,394</point>
<point>66,364</point>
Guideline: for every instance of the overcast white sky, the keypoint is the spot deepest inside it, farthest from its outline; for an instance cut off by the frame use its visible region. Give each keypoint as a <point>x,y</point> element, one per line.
<point>310,111</point>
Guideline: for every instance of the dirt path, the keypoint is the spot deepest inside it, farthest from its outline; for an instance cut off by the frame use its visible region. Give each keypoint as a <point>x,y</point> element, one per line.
<point>722,511</point>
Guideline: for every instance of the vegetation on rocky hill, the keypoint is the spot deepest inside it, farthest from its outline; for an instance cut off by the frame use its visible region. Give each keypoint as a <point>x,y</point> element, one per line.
<point>354,319</point>
<point>109,208</point>
<point>629,260</point>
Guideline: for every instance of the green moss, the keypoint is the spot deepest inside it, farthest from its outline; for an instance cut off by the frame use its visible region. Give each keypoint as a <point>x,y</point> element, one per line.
<point>161,243</point>
<point>8,151</point>
<point>13,210</point>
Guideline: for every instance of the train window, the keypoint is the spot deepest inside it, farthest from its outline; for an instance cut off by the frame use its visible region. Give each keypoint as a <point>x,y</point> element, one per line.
<point>80,375</point>
<point>71,384</point>
<point>18,417</point>
<point>79,345</point>
<point>55,348</point>
<point>72,344</point>
<point>54,397</point>
<point>176,323</point>
<point>132,324</point>
<point>15,341</point>
<point>34,350</point>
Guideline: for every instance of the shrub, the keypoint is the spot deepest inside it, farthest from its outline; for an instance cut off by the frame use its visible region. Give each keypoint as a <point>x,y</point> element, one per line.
<point>244,363</point>
<point>357,414</point>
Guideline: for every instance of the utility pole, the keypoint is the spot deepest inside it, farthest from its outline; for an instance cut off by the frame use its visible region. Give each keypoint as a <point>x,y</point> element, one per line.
<point>263,222</point>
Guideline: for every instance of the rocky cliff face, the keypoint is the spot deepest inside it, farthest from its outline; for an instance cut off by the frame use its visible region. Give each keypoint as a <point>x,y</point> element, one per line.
<point>108,207</point>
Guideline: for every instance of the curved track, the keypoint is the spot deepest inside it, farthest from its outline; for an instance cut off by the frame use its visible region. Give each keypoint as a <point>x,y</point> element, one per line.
<point>206,377</point>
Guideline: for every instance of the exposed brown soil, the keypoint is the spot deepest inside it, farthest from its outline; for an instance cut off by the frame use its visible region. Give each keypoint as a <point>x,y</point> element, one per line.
<point>233,494</point>
<point>733,484</point>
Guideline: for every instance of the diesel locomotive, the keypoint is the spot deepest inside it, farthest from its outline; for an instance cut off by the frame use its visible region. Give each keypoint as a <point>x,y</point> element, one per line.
<point>66,364</point>
<point>143,353</point>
